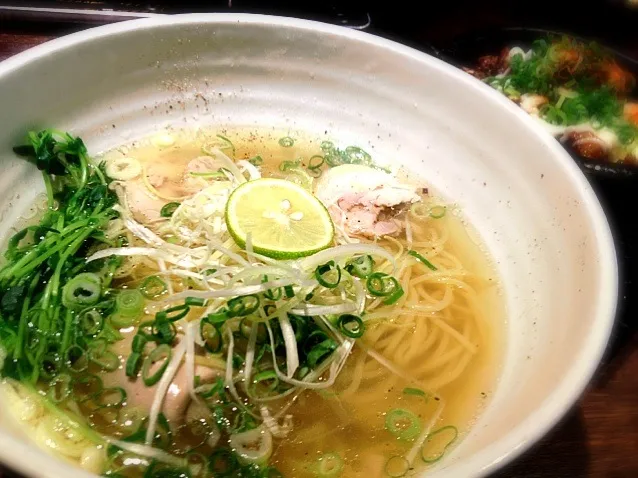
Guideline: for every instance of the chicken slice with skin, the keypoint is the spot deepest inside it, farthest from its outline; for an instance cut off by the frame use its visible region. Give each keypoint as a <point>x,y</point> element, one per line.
<point>177,400</point>
<point>362,199</point>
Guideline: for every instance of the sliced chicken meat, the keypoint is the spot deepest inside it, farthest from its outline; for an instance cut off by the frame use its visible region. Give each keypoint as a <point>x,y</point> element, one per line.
<point>177,400</point>
<point>144,205</point>
<point>364,200</point>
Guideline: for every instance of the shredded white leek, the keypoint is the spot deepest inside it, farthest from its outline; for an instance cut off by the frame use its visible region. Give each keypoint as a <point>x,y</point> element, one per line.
<point>227,162</point>
<point>162,388</point>
<point>292,355</point>
<point>148,452</point>
<point>311,310</point>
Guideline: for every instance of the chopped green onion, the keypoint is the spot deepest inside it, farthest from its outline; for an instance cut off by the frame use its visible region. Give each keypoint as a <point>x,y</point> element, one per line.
<point>360,266</point>
<point>173,314</point>
<point>437,212</point>
<point>329,465</point>
<point>211,389</point>
<point>256,160</point>
<point>217,318</point>
<point>229,143</point>
<point>211,335</point>
<point>245,325</point>
<point>133,363</point>
<point>121,321</point>
<point>162,353</point>
<point>394,297</point>
<point>381,284</point>
<point>403,424</point>
<point>164,331</point>
<point>316,162</point>
<point>271,472</point>
<point>327,146</point>
<point>169,209</point>
<point>320,352</point>
<point>195,301</point>
<point>267,378</point>
<point>417,392</point>
<point>153,287</point>
<point>139,342</point>
<point>222,462</point>
<point>59,388</point>
<point>351,326</point>
<point>101,356</point>
<point>328,275</point>
<point>422,260</point>
<point>446,441</point>
<point>286,142</point>
<point>289,291</point>
<point>288,165</point>
<point>271,294</point>
<point>111,397</point>
<point>91,322</point>
<point>76,359</point>
<point>397,466</point>
<point>242,306</point>
<point>356,155</point>
<point>82,291</point>
<point>130,303</point>
<point>87,386</point>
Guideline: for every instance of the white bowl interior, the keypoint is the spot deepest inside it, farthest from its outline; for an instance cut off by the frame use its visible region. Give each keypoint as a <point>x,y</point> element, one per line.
<point>532,207</point>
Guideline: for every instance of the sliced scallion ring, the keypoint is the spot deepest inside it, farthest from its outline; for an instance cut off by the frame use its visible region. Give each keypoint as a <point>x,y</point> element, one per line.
<point>242,306</point>
<point>360,266</point>
<point>397,466</point>
<point>59,388</point>
<point>211,335</point>
<point>327,146</point>
<point>100,355</point>
<point>173,314</point>
<point>403,424</point>
<point>437,212</point>
<point>381,284</point>
<point>164,331</point>
<point>328,275</point>
<point>351,326</point>
<point>111,397</point>
<point>153,287</point>
<point>286,142</point>
<point>129,303</point>
<point>442,439</point>
<point>320,352</point>
<point>133,364</point>
<point>267,379</point>
<point>195,302</point>
<point>169,209</point>
<point>91,322</point>
<point>151,371</point>
<point>82,291</point>
<point>271,294</point>
<point>329,465</point>
<point>422,260</point>
<point>417,392</point>
<point>315,162</point>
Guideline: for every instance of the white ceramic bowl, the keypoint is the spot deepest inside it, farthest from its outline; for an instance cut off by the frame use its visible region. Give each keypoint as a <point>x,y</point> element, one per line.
<point>522,193</point>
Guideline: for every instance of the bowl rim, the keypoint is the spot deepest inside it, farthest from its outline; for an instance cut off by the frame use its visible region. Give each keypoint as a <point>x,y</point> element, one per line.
<point>29,459</point>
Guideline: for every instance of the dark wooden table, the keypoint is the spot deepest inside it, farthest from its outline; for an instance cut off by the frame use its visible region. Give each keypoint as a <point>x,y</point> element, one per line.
<point>599,438</point>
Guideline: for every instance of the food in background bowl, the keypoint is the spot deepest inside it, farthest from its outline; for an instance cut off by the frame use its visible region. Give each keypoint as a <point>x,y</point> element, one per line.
<point>199,304</point>
<point>577,90</point>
